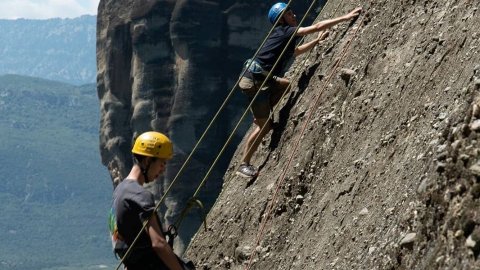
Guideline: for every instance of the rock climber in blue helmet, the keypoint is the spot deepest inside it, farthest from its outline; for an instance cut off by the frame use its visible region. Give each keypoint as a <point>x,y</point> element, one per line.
<point>276,84</point>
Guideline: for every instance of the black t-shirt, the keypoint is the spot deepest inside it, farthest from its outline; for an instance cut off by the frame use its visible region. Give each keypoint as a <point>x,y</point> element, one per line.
<point>133,205</point>
<point>273,47</point>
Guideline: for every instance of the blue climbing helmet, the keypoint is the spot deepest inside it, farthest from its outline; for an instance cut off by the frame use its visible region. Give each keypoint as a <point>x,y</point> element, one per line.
<point>275,11</point>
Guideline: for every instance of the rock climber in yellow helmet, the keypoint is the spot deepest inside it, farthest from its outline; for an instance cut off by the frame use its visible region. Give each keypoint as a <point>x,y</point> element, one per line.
<point>134,205</point>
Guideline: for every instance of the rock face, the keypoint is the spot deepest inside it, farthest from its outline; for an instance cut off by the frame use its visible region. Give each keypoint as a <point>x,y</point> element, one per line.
<point>168,66</point>
<point>399,139</point>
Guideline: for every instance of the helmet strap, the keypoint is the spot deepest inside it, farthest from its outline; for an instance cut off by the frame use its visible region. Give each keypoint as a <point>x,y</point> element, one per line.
<point>145,171</point>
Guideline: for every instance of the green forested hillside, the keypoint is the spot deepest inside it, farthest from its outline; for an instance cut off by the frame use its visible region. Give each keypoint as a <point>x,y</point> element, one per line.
<point>54,194</point>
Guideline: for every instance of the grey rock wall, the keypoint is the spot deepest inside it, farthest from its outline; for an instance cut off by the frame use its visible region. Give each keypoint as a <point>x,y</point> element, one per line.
<point>386,174</point>
<point>168,66</point>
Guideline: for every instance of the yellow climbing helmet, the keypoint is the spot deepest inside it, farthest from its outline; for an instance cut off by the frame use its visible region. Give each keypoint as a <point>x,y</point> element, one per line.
<point>153,144</point>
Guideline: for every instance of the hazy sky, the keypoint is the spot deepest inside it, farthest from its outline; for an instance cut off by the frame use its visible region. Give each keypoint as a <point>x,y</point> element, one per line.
<point>43,9</point>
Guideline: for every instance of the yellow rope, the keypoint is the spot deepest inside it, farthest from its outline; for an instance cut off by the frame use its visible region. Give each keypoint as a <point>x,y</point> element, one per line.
<point>298,68</point>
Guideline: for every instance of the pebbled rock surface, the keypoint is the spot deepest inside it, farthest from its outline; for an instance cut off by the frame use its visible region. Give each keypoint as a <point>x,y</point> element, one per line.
<point>387,174</point>
<point>168,66</point>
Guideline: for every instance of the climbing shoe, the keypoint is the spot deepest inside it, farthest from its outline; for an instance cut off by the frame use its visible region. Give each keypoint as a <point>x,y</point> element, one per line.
<point>246,170</point>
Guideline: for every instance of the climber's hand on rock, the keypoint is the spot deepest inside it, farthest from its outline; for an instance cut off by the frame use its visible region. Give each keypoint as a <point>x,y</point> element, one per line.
<point>323,35</point>
<point>354,13</point>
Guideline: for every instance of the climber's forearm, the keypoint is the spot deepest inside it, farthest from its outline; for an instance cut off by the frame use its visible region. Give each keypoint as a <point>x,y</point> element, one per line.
<point>306,47</point>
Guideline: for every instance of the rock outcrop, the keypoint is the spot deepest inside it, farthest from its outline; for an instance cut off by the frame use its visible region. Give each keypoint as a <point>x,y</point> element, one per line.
<point>387,174</point>
<point>168,66</point>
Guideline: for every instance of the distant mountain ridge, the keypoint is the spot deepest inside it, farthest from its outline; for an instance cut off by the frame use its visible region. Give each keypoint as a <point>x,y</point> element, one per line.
<point>56,49</point>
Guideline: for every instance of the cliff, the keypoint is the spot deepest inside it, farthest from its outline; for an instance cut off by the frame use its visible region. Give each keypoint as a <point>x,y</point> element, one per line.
<point>168,66</point>
<point>386,174</point>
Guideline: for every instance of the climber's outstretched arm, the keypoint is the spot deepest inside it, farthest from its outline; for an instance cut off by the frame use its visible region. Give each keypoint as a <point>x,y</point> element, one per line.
<point>326,24</point>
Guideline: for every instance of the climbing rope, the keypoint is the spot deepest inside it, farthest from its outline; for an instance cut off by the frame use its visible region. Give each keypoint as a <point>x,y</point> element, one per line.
<point>180,172</point>
<point>202,183</point>
<point>298,68</point>
<point>282,178</point>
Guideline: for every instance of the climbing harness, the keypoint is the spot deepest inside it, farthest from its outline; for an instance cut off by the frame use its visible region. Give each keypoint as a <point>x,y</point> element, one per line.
<point>119,247</point>
<point>255,68</point>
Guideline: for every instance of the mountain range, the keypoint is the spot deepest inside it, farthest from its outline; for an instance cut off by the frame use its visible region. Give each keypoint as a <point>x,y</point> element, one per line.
<point>56,49</point>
